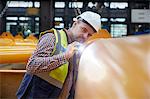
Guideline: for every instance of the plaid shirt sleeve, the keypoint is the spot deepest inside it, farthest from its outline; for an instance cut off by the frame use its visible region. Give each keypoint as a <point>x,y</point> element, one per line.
<point>41,59</point>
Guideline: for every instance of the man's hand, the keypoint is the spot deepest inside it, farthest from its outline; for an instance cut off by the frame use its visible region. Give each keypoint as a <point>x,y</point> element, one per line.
<point>71,49</point>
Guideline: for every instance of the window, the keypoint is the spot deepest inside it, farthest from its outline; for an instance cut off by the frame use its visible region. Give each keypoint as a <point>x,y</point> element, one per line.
<point>59,25</point>
<point>9,24</point>
<point>118,30</point>
<point>104,19</point>
<point>59,22</point>
<point>22,24</point>
<point>37,4</point>
<point>118,5</point>
<point>59,4</point>
<point>90,4</point>
<point>20,4</point>
<point>37,28</point>
<point>23,18</point>
<point>106,4</point>
<point>11,18</point>
<point>37,19</point>
<point>58,19</point>
<point>117,19</point>
<point>75,4</point>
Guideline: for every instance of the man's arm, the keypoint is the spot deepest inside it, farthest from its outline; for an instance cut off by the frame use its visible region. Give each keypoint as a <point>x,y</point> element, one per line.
<point>41,60</point>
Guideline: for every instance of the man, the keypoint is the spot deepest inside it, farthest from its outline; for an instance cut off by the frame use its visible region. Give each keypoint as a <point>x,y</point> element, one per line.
<point>48,70</point>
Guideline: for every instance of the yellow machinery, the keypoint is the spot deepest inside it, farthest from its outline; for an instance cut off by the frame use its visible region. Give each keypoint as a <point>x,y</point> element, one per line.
<point>16,49</point>
<point>6,39</point>
<point>115,69</point>
<point>9,83</point>
<point>14,53</point>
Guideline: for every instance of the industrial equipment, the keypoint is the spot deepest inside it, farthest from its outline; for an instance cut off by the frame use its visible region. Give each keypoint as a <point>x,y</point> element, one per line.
<point>112,68</point>
<point>115,68</point>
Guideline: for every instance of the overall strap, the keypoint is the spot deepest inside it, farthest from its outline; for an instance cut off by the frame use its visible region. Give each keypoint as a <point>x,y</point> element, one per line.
<point>59,46</point>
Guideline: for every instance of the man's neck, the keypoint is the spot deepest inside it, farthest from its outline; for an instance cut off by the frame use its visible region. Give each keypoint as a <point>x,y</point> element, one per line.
<point>68,35</point>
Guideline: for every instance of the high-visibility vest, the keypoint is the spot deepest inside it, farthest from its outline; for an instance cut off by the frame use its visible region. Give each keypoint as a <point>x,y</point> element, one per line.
<point>58,75</point>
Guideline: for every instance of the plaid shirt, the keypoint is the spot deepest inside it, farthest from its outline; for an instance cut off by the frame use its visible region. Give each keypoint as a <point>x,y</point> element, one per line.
<point>41,59</point>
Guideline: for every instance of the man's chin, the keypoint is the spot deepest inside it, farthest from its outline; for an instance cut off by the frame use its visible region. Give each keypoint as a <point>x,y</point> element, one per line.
<point>80,40</point>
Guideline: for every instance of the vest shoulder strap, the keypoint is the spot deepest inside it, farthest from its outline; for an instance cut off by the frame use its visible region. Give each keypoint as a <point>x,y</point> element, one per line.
<point>51,31</point>
<point>45,32</point>
<point>58,41</point>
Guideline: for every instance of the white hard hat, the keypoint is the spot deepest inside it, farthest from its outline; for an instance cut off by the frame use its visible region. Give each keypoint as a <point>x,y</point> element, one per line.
<point>93,19</point>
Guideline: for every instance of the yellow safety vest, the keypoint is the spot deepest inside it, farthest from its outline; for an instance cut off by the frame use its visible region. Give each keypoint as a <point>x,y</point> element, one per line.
<point>61,44</point>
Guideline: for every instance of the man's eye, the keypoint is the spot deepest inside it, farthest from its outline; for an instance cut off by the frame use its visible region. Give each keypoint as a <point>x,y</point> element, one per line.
<point>89,35</point>
<point>83,29</point>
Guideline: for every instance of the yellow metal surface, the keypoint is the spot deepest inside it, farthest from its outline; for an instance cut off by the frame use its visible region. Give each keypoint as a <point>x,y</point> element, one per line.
<point>31,37</point>
<point>6,42</point>
<point>100,34</point>
<point>15,54</point>
<point>29,41</point>
<point>15,57</point>
<point>18,37</point>
<point>115,68</point>
<point>7,35</point>
<point>9,83</point>
<point>7,39</point>
<point>16,49</point>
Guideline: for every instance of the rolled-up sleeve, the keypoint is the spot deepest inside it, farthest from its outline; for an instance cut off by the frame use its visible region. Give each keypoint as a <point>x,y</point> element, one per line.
<point>41,59</point>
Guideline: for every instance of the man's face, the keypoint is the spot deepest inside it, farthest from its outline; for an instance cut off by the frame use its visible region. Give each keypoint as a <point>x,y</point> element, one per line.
<point>81,31</point>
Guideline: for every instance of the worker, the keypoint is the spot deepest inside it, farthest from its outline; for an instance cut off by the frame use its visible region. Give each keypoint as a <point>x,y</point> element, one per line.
<point>51,58</point>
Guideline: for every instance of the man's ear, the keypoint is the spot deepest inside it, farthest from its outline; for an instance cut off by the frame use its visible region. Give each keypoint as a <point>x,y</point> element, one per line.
<point>75,23</point>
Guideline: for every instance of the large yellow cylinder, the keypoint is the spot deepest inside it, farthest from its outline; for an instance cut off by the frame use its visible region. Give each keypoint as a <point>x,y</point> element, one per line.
<point>116,68</point>
<point>6,42</point>
<point>15,54</point>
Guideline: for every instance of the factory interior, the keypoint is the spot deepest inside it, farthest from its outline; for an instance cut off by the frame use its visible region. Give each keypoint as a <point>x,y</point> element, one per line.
<point>113,63</point>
